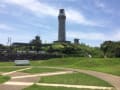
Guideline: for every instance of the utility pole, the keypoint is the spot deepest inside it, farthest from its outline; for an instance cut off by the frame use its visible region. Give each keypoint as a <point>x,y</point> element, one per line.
<point>9,47</point>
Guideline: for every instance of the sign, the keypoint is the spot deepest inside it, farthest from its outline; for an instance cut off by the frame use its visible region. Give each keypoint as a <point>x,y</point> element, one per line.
<point>22,62</point>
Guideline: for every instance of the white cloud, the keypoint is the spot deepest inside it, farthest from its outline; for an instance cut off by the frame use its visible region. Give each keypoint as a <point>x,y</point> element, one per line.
<point>79,18</point>
<point>99,4</point>
<point>2,6</point>
<point>102,6</point>
<point>94,35</point>
<point>5,27</point>
<point>42,9</point>
<point>70,0</point>
<point>35,6</point>
<point>86,36</point>
<point>116,35</point>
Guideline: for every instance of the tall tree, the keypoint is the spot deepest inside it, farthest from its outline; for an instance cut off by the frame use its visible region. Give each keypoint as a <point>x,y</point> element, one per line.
<point>111,49</point>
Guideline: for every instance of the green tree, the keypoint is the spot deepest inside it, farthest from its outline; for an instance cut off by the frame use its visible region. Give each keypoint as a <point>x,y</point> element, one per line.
<point>111,49</point>
<point>36,43</point>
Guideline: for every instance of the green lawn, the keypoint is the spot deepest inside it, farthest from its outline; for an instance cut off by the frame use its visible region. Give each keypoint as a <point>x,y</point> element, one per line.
<point>6,64</point>
<point>115,70</point>
<point>35,87</point>
<point>74,79</point>
<point>8,69</point>
<point>41,70</point>
<point>109,65</point>
<point>4,78</point>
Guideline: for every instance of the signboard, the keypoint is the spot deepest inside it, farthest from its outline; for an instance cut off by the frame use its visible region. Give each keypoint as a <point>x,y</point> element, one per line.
<point>22,62</point>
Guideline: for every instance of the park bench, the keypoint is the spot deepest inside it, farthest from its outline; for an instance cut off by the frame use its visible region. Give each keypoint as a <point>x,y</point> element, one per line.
<point>22,62</point>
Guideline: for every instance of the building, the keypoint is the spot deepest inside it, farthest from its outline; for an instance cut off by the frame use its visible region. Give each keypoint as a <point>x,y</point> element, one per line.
<point>62,27</point>
<point>76,41</point>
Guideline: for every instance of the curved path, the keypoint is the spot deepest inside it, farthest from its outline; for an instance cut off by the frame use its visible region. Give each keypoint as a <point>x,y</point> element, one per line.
<point>112,79</point>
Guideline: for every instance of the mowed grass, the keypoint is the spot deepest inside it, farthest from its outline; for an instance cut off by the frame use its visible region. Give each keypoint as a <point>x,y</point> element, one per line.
<point>108,65</point>
<point>9,69</point>
<point>41,70</point>
<point>35,87</point>
<point>4,78</point>
<point>74,79</point>
<point>6,64</point>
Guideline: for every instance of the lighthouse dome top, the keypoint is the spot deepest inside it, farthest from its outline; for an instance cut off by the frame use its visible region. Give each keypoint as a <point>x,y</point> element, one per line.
<point>61,12</point>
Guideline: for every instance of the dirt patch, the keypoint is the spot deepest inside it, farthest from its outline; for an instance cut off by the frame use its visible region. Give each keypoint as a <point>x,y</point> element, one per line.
<point>13,87</point>
<point>18,74</point>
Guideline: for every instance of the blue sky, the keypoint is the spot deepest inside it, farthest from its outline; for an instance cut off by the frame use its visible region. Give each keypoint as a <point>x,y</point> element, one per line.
<point>92,21</point>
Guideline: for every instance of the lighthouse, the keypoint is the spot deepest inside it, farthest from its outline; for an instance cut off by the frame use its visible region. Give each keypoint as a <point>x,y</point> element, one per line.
<point>61,26</point>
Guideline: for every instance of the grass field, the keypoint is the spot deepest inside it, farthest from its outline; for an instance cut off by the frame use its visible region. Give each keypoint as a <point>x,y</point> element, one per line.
<point>6,69</point>
<point>108,65</point>
<point>35,87</point>
<point>74,79</point>
<point>6,64</point>
<point>41,70</point>
<point>4,78</point>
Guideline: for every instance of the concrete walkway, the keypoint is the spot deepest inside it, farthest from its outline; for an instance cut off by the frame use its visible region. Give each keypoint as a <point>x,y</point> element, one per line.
<point>59,85</point>
<point>18,87</point>
<point>28,79</point>
<point>15,71</point>
<point>112,79</point>
<point>25,79</point>
<point>1,73</point>
<point>43,74</point>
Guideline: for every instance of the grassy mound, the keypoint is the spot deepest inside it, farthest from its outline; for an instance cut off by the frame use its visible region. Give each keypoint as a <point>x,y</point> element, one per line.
<point>109,65</point>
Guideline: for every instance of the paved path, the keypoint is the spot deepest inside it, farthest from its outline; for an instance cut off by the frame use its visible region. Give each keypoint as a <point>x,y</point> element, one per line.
<point>43,74</point>
<point>59,85</point>
<point>1,73</point>
<point>14,74</point>
<point>112,79</point>
<point>8,73</point>
<point>27,78</point>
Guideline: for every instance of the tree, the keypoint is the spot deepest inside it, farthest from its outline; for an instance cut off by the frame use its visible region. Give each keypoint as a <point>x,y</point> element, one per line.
<point>97,52</point>
<point>36,43</point>
<point>111,49</point>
